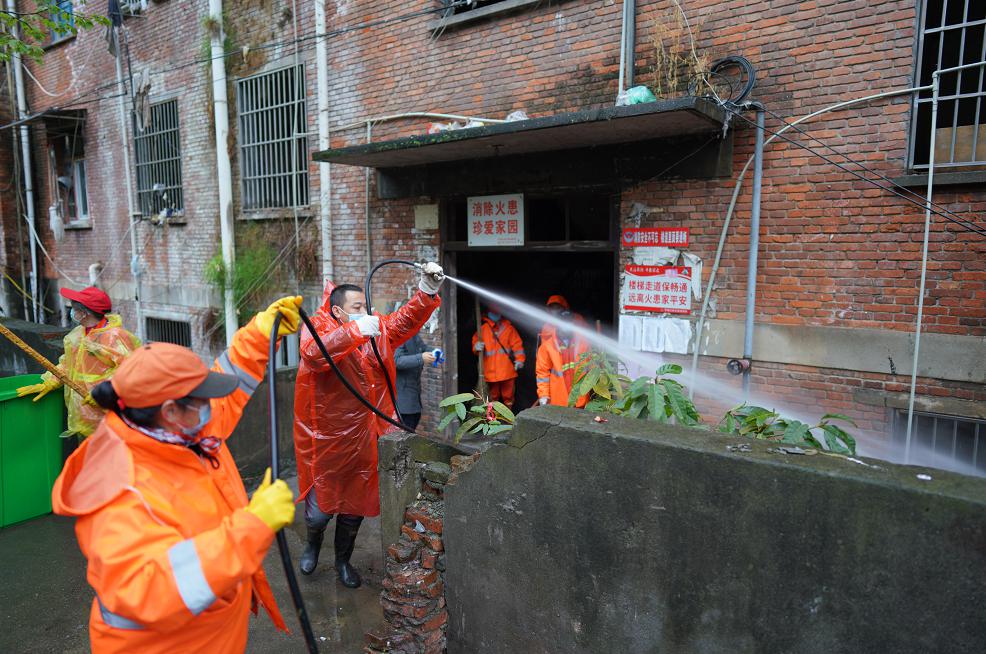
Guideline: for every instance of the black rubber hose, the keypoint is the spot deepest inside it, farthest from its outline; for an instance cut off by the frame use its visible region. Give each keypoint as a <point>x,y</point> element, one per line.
<point>345,382</point>
<point>373,342</point>
<point>275,465</point>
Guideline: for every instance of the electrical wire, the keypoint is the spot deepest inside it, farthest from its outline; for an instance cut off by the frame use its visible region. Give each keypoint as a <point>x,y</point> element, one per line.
<point>25,293</point>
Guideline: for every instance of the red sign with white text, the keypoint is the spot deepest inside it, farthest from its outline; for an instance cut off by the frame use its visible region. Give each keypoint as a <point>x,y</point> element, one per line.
<point>642,237</point>
<point>661,289</point>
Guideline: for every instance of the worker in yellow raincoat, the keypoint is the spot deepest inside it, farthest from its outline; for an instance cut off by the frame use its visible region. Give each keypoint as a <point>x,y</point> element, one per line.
<point>93,351</point>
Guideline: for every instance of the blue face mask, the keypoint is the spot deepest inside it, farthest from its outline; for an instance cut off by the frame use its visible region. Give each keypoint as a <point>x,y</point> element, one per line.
<point>205,415</point>
<point>495,317</point>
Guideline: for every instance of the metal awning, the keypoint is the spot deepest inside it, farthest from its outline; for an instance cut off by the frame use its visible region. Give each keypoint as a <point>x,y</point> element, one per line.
<point>54,119</point>
<point>609,126</point>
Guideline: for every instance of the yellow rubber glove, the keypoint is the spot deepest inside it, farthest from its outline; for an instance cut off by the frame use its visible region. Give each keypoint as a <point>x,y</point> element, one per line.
<point>273,503</point>
<point>287,307</point>
<point>42,389</point>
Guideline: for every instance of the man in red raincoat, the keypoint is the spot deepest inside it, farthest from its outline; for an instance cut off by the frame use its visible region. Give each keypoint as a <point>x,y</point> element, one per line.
<point>335,436</point>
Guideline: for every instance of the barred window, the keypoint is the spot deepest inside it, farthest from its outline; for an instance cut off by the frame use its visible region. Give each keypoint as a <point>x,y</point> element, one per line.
<point>63,18</point>
<point>158,149</point>
<point>945,437</point>
<point>162,330</point>
<point>273,141</point>
<point>953,33</point>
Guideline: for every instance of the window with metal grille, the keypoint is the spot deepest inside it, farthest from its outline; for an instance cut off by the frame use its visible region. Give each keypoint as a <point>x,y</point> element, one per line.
<point>168,331</point>
<point>158,148</point>
<point>948,437</point>
<point>461,7</point>
<point>64,21</point>
<point>953,33</point>
<point>273,141</point>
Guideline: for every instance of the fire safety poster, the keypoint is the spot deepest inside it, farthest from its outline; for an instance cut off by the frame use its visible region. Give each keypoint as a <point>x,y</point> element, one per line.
<point>496,220</point>
<point>660,289</point>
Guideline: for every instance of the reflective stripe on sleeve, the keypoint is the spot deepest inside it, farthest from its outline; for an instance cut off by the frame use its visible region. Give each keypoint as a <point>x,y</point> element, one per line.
<point>247,383</point>
<point>557,373</point>
<point>543,380</point>
<point>189,576</point>
<point>117,621</point>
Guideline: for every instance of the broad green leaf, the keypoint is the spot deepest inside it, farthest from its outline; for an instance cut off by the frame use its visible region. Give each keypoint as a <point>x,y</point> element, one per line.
<point>465,427</point>
<point>479,408</point>
<point>456,399</point>
<point>499,429</point>
<point>602,389</point>
<point>838,416</point>
<point>638,387</point>
<point>728,424</point>
<point>485,429</point>
<point>501,409</point>
<point>794,432</point>
<point>682,408</point>
<point>838,440</point>
<point>655,403</point>
<point>446,421</point>
<point>573,395</point>
<point>460,410</point>
<point>587,384</point>
<point>669,369</point>
<point>811,440</point>
<point>600,404</point>
<point>636,408</point>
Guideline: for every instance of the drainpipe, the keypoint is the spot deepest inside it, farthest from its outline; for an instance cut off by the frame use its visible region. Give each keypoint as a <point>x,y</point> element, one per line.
<point>366,210</point>
<point>325,169</point>
<point>751,275</point>
<point>223,168</point>
<point>630,17</point>
<point>125,134</point>
<point>27,170</point>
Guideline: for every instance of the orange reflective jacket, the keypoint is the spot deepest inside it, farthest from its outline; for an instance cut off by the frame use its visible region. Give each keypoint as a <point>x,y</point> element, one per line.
<point>335,436</point>
<point>555,371</point>
<point>500,342</point>
<point>174,557</point>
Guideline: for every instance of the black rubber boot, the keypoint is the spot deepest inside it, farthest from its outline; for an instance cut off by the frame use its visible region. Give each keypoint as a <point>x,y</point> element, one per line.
<point>309,558</point>
<point>347,527</point>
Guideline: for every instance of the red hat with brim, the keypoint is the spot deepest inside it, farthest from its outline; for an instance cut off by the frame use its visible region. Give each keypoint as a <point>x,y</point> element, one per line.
<point>157,372</point>
<point>90,297</point>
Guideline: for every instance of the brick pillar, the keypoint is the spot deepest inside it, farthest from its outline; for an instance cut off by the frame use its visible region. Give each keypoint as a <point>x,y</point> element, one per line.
<point>413,598</point>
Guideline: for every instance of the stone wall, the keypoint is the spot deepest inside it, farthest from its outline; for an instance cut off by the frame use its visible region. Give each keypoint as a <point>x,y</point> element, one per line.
<point>631,537</point>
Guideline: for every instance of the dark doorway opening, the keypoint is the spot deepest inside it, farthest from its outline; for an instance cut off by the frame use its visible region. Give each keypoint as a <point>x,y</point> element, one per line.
<point>586,279</point>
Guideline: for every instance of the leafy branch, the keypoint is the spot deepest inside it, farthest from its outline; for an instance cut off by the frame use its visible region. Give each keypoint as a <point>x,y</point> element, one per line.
<point>476,415</point>
<point>26,33</point>
<point>763,424</point>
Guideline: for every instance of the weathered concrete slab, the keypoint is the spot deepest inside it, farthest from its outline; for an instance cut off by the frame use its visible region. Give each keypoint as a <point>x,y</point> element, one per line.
<point>626,537</point>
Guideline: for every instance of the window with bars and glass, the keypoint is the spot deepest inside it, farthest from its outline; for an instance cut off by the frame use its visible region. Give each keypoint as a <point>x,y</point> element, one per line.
<point>64,21</point>
<point>272,116</point>
<point>946,438</point>
<point>952,33</point>
<point>163,330</point>
<point>158,153</point>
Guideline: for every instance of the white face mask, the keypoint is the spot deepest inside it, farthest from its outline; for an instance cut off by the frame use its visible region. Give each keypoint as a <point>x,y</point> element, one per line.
<point>78,316</point>
<point>350,316</point>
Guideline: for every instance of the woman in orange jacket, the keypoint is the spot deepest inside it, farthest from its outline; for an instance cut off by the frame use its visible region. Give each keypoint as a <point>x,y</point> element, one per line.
<point>557,359</point>
<point>173,546</point>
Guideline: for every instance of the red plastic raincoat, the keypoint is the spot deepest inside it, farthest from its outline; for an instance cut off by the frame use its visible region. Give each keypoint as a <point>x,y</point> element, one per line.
<point>335,436</point>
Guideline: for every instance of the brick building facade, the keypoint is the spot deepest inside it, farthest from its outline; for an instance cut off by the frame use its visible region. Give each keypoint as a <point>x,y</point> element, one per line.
<point>839,257</point>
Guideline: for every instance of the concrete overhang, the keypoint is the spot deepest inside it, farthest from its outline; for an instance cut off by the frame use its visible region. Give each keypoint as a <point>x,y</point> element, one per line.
<point>682,117</point>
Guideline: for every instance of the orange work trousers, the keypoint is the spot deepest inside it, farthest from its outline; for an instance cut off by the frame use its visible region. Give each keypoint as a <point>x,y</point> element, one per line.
<point>502,391</point>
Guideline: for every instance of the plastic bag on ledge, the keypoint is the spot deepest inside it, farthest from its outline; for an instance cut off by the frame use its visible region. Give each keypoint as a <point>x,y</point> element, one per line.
<point>517,115</point>
<point>635,95</point>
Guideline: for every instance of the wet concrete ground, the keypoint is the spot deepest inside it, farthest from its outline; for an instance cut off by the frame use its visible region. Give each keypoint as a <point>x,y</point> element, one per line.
<point>45,600</point>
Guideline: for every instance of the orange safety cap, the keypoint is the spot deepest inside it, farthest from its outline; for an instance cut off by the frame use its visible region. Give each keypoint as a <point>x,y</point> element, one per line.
<point>557,299</point>
<point>157,372</point>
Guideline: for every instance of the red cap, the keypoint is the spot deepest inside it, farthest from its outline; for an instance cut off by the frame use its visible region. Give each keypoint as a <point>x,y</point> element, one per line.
<point>157,372</point>
<point>558,299</point>
<point>89,297</point>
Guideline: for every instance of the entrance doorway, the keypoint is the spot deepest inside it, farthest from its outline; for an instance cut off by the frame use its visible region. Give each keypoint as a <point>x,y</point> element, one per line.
<point>570,249</point>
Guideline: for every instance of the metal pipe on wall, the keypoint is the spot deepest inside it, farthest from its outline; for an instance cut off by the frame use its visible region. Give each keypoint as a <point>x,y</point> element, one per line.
<point>223,167</point>
<point>630,41</point>
<point>751,275</point>
<point>325,169</point>
<point>26,169</point>
<point>126,133</point>
<point>366,212</point>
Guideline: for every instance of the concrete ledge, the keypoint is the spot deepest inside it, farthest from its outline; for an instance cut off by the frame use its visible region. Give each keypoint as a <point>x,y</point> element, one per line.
<point>943,356</point>
<point>628,536</point>
<point>943,405</point>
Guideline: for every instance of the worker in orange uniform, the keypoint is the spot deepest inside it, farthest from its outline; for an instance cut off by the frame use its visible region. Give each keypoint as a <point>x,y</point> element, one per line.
<point>503,355</point>
<point>555,305</point>
<point>173,545</point>
<point>557,358</point>
<point>93,351</point>
<point>335,435</point>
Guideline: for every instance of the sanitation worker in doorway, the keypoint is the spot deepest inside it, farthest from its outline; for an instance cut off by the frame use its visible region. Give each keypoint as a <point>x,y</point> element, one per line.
<point>557,359</point>
<point>174,547</point>
<point>335,436</point>
<point>93,351</point>
<point>503,355</point>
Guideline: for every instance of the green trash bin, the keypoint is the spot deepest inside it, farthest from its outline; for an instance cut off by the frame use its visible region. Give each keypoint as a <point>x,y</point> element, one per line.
<point>30,449</point>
